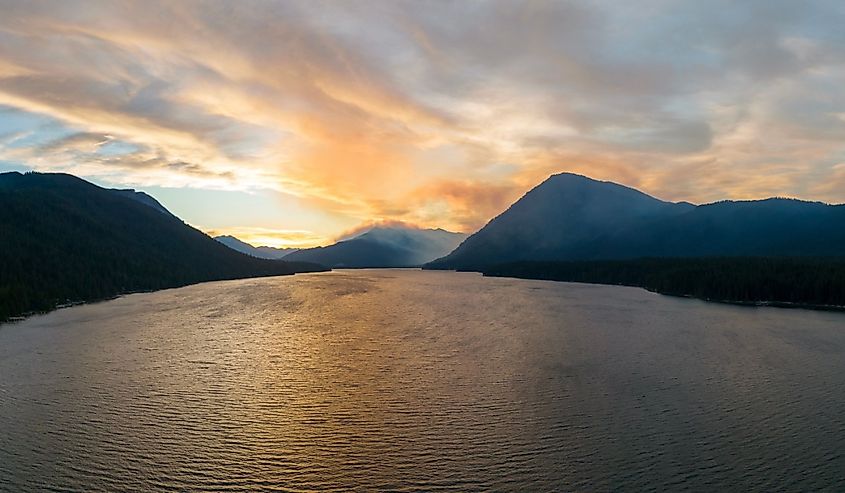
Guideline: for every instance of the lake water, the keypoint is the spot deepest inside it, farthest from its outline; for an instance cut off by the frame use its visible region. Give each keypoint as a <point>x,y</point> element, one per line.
<point>421,381</point>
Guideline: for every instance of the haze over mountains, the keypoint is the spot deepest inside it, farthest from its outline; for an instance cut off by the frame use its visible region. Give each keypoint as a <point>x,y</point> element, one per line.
<point>67,240</point>
<point>266,252</point>
<point>572,217</point>
<point>382,246</point>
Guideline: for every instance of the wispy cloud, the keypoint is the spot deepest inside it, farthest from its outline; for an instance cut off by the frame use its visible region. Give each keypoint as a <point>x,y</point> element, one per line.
<point>434,113</point>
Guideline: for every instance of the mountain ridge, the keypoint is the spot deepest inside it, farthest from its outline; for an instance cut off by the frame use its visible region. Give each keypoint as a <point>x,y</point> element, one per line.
<point>143,198</point>
<point>571,217</point>
<point>265,252</point>
<point>66,240</point>
<point>382,246</point>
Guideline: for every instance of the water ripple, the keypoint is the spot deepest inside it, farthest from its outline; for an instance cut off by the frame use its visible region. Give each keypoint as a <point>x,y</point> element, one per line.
<point>421,381</point>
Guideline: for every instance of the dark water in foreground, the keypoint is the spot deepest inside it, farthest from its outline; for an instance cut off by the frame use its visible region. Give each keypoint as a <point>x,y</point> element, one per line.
<point>408,380</point>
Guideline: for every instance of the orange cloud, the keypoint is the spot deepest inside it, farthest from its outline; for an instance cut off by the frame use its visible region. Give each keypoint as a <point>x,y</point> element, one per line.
<point>436,115</point>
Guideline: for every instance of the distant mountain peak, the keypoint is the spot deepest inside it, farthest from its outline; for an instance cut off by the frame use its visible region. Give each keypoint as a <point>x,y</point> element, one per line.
<point>384,245</point>
<point>568,175</point>
<point>264,252</point>
<point>591,184</point>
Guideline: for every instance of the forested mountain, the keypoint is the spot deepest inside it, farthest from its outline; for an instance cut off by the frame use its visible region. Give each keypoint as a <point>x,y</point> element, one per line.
<point>67,240</point>
<point>571,217</point>
<point>142,198</point>
<point>384,247</point>
<point>557,219</point>
<point>260,251</point>
<point>783,281</point>
<point>770,227</point>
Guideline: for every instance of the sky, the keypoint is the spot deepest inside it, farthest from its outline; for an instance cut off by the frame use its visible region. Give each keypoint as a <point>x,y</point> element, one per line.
<point>290,123</point>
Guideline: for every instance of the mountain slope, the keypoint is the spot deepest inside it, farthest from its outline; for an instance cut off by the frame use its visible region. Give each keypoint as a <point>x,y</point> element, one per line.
<point>142,198</point>
<point>383,247</point>
<point>796,282</point>
<point>770,227</point>
<point>557,219</point>
<point>67,240</point>
<point>570,217</point>
<point>259,252</point>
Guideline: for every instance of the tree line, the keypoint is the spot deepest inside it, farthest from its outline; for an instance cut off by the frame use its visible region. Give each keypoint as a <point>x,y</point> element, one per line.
<point>817,282</point>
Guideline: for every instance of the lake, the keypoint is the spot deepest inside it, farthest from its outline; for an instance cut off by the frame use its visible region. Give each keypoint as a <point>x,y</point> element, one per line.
<point>407,380</point>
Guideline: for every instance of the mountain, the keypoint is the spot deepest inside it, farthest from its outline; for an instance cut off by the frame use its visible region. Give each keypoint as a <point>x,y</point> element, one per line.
<point>571,217</point>
<point>142,198</point>
<point>260,252</point>
<point>789,282</point>
<point>556,220</point>
<point>383,247</point>
<point>67,240</point>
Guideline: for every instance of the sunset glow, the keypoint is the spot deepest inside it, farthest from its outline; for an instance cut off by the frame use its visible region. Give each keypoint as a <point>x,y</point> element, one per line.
<point>288,123</point>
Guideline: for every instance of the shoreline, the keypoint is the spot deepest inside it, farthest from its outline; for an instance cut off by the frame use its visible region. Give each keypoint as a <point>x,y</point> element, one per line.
<point>744,303</point>
<point>750,304</point>
<point>70,304</point>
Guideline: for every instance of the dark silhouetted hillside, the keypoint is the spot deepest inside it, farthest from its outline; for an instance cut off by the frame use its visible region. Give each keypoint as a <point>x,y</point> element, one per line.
<point>142,198</point>
<point>571,217</point>
<point>67,240</point>
<point>802,281</point>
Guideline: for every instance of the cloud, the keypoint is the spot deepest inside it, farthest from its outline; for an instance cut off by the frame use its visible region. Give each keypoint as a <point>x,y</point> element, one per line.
<point>368,225</point>
<point>470,203</point>
<point>438,114</point>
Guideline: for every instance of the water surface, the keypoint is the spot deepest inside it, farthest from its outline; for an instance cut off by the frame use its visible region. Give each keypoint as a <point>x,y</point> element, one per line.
<point>421,381</point>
